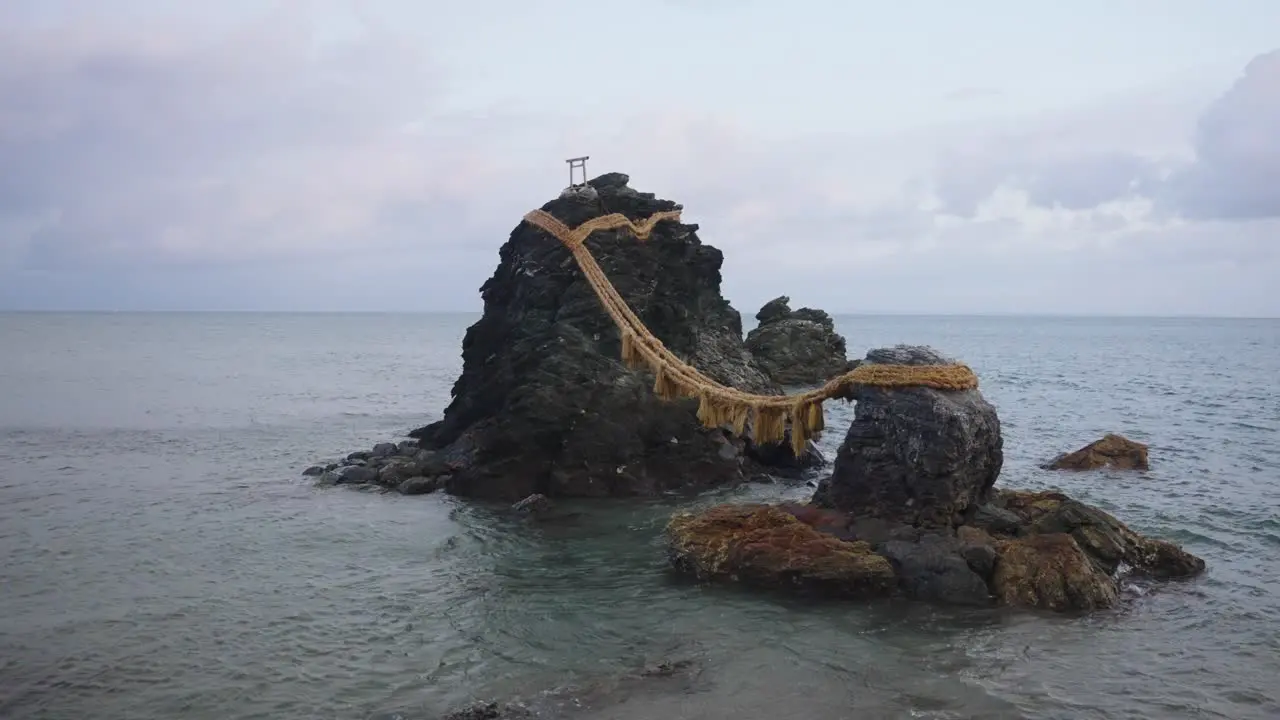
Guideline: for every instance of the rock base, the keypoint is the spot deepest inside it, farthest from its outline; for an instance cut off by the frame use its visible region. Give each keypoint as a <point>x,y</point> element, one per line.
<point>402,467</point>
<point>1023,549</point>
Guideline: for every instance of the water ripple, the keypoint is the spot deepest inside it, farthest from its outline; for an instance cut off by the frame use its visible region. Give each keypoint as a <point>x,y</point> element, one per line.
<point>164,559</point>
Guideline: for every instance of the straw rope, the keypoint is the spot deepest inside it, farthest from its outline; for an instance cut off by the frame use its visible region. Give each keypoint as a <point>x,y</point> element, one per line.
<point>720,405</point>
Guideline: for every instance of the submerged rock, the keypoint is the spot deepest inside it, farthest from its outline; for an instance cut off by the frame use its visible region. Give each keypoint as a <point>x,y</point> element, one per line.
<point>915,455</point>
<point>544,404</point>
<point>797,347</point>
<point>535,504</point>
<point>1112,450</point>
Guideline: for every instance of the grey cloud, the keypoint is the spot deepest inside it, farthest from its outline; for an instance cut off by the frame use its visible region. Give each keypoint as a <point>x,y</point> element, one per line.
<point>1236,174</point>
<point>1233,174</point>
<point>158,143</point>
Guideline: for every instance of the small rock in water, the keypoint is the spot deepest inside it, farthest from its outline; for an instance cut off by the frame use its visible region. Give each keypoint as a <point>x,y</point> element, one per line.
<point>355,475</point>
<point>1112,450</point>
<point>396,471</point>
<point>314,471</point>
<point>358,455</point>
<point>533,505</point>
<point>384,450</point>
<point>418,486</point>
<point>407,448</point>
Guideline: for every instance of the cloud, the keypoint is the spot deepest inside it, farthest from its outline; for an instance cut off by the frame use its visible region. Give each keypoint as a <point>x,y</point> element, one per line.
<point>1236,172</point>
<point>246,164</point>
<point>1229,168</point>
<point>158,141</point>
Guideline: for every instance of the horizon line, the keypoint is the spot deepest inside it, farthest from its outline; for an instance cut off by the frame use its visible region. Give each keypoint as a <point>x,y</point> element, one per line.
<point>833,313</point>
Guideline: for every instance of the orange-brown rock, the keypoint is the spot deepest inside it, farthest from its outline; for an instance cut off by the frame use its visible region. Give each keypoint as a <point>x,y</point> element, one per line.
<point>764,545</point>
<point>1051,572</point>
<point>1112,450</point>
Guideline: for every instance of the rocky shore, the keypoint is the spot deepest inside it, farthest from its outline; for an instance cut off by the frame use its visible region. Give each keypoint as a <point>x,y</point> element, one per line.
<point>911,509</point>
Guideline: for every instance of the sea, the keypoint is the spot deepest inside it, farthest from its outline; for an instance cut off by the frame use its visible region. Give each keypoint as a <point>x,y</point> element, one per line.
<point>164,558</point>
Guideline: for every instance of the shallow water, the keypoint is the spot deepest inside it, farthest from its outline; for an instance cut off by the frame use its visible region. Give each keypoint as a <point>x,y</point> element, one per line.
<point>163,558</point>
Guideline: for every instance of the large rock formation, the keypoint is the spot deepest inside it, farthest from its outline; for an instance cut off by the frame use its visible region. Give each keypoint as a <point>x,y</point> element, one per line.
<point>796,347</point>
<point>917,456</point>
<point>544,404</point>
<point>913,483</point>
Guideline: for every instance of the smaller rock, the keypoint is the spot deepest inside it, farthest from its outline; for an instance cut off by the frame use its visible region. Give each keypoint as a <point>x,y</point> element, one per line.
<point>355,475</point>
<point>358,455</point>
<point>1051,572</point>
<point>995,519</point>
<point>796,348</point>
<point>908,355</point>
<point>397,470</point>
<point>535,504</point>
<point>418,486</point>
<point>314,471</point>
<point>776,309</point>
<point>384,450</point>
<point>1112,450</point>
<point>431,463</point>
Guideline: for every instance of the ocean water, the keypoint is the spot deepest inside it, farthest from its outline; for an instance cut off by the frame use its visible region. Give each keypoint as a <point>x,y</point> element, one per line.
<point>163,558</point>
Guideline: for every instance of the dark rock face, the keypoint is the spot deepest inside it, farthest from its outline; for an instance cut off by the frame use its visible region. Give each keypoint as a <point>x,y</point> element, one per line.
<point>918,456</point>
<point>544,404</point>
<point>799,347</point>
<point>934,569</point>
<point>1116,451</point>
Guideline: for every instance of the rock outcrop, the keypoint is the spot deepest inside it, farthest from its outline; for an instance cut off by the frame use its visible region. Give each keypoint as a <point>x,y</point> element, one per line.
<point>544,404</point>
<point>914,485</point>
<point>917,456</point>
<point>1116,451</point>
<point>797,347</point>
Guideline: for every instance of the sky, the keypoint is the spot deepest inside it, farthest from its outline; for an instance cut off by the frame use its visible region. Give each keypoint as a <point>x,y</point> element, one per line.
<point>1113,158</point>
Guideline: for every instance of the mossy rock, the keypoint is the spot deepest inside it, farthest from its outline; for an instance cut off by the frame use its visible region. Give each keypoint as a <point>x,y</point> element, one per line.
<point>766,546</point>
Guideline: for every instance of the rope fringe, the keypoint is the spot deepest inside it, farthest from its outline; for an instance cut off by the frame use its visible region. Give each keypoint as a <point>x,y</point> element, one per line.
<point>719,405</point>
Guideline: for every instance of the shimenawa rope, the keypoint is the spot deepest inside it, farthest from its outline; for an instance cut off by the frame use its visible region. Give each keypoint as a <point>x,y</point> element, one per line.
<point>720,405</point>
